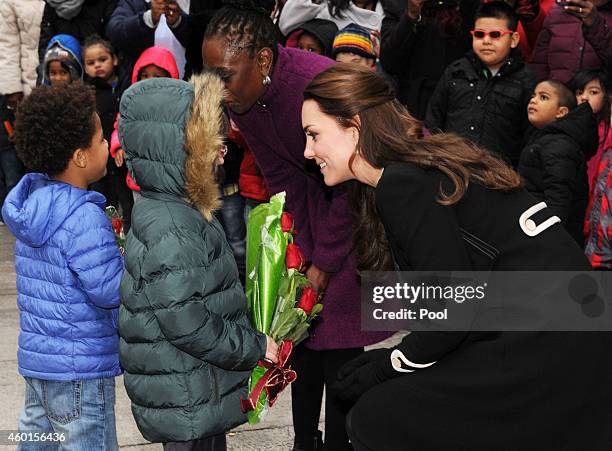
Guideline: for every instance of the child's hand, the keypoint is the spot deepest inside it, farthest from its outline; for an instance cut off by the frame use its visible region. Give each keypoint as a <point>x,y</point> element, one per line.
<point>221,156</point>
<point>119,157</point>
<point>271,350</point>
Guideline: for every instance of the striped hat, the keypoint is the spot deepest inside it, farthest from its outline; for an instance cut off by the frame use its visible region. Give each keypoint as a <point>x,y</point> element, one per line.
<point>354,39</point>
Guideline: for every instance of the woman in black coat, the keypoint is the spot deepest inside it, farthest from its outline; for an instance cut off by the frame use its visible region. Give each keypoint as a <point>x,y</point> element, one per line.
<point>442,204</point>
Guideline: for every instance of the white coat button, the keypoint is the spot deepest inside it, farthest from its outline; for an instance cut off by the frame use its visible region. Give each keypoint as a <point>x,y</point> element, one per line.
<point>471,85</point>
<point>471,127</point>
<point>478,97</point>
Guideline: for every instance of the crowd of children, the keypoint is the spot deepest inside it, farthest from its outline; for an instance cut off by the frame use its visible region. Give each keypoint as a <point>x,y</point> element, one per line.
<point>549,117</point>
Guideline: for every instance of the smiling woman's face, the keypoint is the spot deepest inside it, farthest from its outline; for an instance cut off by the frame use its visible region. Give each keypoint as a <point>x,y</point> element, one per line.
<point>328,144</point>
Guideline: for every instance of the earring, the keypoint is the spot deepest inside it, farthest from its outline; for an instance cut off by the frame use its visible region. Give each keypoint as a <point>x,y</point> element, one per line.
<point>267,81</point>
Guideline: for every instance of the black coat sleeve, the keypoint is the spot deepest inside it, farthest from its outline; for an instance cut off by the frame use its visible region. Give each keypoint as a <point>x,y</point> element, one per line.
<point>429,238</point>
<point>528,84</point>
<point>560,161</point>
<point>435,119</point>
<point>398,37</point>
<point>127,29</point>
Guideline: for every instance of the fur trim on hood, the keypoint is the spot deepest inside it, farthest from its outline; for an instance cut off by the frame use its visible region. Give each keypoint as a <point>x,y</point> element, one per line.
<point>203,139</point>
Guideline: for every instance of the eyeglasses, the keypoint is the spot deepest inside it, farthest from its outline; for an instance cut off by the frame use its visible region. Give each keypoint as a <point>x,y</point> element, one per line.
<point>495,34</point>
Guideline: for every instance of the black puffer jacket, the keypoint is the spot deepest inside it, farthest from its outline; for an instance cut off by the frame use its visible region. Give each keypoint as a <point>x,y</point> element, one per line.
<point>489,110</point>
<point>108,98</point>
<point>553,165</point>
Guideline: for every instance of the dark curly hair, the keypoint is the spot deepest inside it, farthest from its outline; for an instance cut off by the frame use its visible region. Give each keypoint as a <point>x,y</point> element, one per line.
<point>51,123</point>
<point>96,39</point>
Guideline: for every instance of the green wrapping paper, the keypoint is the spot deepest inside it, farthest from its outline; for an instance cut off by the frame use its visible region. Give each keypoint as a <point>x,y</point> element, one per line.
<point>265,264</point>
<point>266,245</point>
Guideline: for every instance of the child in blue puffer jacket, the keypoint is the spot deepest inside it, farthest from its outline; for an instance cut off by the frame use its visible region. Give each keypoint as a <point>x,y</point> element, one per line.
<point>68,271</point>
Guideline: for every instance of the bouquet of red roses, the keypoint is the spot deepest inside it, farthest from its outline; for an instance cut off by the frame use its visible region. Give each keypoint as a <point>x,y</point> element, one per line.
<point>281,302</point>
<point>117,223</point>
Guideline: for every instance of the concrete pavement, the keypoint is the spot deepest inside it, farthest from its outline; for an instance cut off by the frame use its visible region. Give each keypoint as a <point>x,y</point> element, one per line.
<point>275,430</point>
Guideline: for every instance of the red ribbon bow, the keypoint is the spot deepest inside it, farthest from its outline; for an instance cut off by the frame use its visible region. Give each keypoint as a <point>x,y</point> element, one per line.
<point>274,381</point>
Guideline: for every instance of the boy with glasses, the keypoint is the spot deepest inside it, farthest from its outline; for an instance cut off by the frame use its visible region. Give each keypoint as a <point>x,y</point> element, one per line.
<point>483,96</point>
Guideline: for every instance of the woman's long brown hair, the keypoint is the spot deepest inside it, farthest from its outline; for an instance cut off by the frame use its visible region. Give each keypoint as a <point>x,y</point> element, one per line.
<point>357,97</point>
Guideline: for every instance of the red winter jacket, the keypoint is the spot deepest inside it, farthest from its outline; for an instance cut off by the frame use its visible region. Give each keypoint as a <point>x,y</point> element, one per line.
<point>565,47</point>
<point>162,58</point>
<point>529,31</point>
<point>251,182</point>
<point>598,221</point>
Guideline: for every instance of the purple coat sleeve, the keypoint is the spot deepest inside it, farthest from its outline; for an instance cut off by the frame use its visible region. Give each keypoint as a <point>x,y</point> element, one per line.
<point>539,57</point>
<point>332,226</point>
<point>599,35</point>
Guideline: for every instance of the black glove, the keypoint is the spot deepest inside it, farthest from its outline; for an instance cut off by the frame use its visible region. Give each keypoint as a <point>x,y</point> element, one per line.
<point>364,372</point>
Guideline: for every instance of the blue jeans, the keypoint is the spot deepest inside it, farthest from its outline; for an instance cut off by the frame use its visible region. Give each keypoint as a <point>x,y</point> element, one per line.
<point>249,205</point>
<point>83,410</point>
<point>232,220</point>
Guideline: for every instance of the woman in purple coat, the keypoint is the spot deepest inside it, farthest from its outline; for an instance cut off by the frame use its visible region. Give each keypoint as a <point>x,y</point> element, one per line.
<point>265,84</point>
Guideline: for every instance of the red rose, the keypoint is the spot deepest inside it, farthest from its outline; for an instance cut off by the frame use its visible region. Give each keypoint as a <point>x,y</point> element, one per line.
<point>117,224</point>
<point>294,259</point>
<point>287,222</point>
<point>307,300</point>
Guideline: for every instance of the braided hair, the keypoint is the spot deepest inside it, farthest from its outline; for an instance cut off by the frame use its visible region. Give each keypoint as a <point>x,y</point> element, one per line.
<point>245,25</point>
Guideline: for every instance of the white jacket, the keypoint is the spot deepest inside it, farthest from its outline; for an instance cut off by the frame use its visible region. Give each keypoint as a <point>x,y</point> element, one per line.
<point>19,35</point>
<point>296,12</point>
